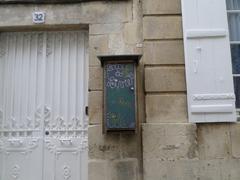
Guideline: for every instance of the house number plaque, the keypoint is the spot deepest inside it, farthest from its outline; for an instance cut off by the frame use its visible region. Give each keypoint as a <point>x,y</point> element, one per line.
<point>38,17</point>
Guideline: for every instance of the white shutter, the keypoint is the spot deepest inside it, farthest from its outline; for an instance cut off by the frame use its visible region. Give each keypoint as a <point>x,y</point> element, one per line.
<point>208,61</point>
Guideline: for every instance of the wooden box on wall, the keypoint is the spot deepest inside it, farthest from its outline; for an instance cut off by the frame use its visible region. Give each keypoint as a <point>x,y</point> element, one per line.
<point>120,96</point>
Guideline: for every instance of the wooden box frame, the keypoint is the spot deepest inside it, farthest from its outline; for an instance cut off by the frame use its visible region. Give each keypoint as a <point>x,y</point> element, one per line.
<point>122,59</point>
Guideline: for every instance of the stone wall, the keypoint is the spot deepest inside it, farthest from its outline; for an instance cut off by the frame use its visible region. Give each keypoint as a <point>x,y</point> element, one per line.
<point>174,149</point>
<point>113,156</point>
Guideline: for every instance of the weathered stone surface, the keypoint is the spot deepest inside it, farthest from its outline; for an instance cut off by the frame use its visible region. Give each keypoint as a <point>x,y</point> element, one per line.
<point>98,45</point>
<point>132,33</point>
<point>169,142</point>
<point>168,108</point>
<point>97,29</point>
<point>112,145</point>
<point>209,170</point>
<point>95,105</point>
<point>214,141</point>
<point>116,44</point>
<point>103,146</point>
<point>191,170</point>
<point>230,169</point>
<point>130,145</point>
<point>167,170</point>
<point>165,79</point>
<point>95,78</point>
<point>164,52</point>
<point>153,169</point>
<point>126,169</point>
<point>140,93</point>
<point>98,170</point>
<point>161,7</point>
<point>163,27</point>
<point>82,13</point>
<point>235,139</point>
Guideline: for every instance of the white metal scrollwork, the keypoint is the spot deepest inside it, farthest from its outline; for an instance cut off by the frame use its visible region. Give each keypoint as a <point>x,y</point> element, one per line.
<point>15,171</point>
<point>66,172</point>
<point>15,142</point>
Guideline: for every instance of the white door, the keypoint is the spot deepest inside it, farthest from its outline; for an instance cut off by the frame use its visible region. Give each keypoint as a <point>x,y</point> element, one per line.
<point>43,87</point>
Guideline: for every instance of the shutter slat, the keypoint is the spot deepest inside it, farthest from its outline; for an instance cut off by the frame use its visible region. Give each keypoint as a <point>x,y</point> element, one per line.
<point>205,33</point>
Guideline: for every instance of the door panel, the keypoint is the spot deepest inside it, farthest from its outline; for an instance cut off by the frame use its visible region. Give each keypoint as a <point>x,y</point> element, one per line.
<point>20,156</point>
<point>65,121</point>
<point>15,165</point>
<point>21,81</point>
<point>42,101</point>
<point>64,159</point>
<point>20,103</point>
<point>65,78</point>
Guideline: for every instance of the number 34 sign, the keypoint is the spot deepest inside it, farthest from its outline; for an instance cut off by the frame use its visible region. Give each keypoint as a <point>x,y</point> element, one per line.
<point>38,17</point>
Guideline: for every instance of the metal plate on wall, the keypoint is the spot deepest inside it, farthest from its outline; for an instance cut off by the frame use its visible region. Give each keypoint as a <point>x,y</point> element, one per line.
<point>119,96</point>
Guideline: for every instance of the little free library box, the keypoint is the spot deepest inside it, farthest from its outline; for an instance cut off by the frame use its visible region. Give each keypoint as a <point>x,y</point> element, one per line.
<point>120,99</point>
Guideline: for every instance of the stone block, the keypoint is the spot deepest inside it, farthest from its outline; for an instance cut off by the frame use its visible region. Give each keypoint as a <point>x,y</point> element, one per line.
<point>165,79</point>
<point>161,7</point>
<point>77,13</point>
<point>137,11</point>
<point>126,169</point>
<point>235,139</point>
<point>98,29</point>
<point>98,45</point>
<point>130,145</point>
<point>155,169</point>
<point>95,78</point>
<point>163,52</point>
<point>132,33</point>
<point>103,146</point>
<point>192,169</point>
<point>140,93</point>
<point>93,60</point>
<point>214,141</point>
<point>110,44</point>
<point>98,170</point>
<point>116,44</point>
<point>166,108</point>
<point>185,170</point>
<point>163,27</point>
<point>230,169</point>
<point>169,142</point>
<point>95,104</point>
<point>209,170</point>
